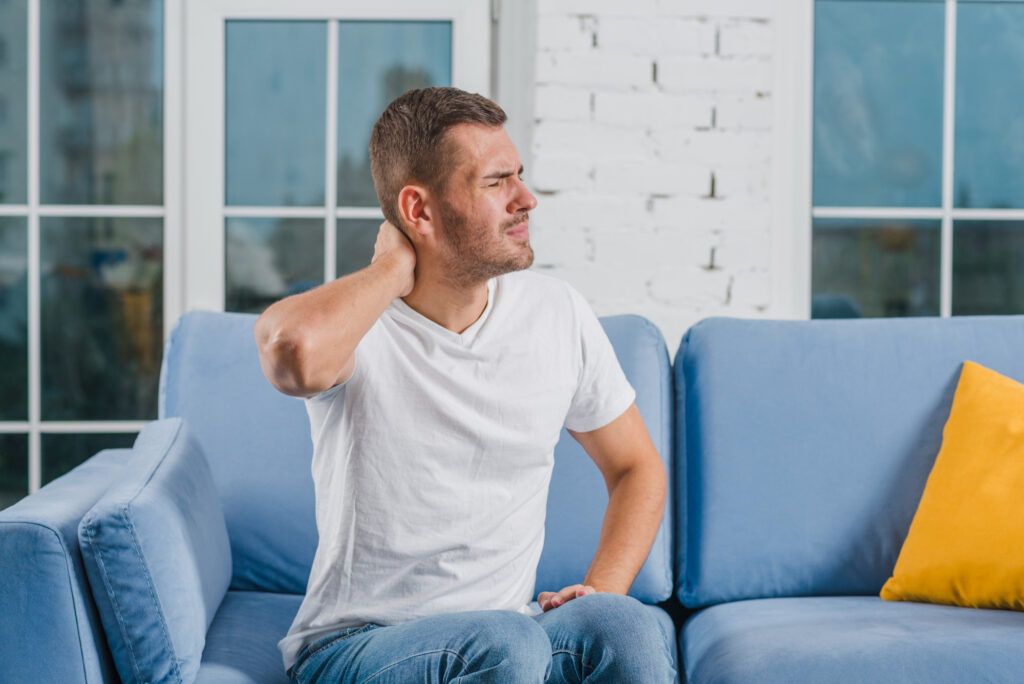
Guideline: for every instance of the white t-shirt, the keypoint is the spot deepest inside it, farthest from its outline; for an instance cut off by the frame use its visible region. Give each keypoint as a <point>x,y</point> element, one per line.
<point>431,463</point>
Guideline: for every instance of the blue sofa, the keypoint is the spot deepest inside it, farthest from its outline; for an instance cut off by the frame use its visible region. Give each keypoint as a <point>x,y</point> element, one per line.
<point>797,451</point>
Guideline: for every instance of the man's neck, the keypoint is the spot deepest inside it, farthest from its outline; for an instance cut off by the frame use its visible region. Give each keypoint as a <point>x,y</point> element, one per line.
<point>451,305</point>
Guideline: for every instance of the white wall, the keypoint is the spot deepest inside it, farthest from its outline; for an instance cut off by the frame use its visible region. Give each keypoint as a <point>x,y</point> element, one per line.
<point>652,157</point>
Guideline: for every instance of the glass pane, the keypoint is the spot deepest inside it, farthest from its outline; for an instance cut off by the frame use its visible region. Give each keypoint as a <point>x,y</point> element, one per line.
<point>988,267</point>
<point>61,453</point>
<point>13,318</point>
<point>275,112</point>
<point>13,101</point>
<point>102,317</point>
<point>377,62</point>
<point>875,268</point>
<point>989,147</point>
<point>101,89</point>
<point>268,259</point>
<point>356,238</point>
<point>878,70</point>
<point>13,468</point>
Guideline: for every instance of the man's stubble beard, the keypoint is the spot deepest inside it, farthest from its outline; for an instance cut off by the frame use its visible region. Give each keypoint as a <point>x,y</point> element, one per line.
<point>470,262</point>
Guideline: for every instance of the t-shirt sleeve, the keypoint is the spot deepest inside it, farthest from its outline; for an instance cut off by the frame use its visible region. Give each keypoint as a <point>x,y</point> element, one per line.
<point>602,393</point>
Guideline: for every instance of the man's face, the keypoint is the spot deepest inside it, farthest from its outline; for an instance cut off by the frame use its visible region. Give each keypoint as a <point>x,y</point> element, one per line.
<point>484,210</point>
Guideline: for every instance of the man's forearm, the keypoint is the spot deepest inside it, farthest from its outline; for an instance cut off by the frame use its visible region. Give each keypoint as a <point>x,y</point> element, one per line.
<point>307,339</point>
<point>635,506</point>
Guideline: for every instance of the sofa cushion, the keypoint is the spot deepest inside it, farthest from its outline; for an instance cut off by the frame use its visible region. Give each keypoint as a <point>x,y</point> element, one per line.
<point>45,598</point>
<point>577,497</point>
<point>241,645</point>
<point>807,445</point>
<point>156,553</point>
<point>851,639</point>
<point>966,543</point>
<point>258,444</point>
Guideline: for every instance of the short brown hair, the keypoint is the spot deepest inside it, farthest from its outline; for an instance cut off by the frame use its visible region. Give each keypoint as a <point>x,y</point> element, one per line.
<point>408,141</point>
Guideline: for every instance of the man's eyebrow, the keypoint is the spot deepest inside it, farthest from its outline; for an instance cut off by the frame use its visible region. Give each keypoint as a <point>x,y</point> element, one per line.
<point>504,174</point>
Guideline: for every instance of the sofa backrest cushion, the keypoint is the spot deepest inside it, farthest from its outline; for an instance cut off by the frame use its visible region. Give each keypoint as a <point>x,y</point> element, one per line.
<point>257,442</point>
<point>804,446</point>
<point>156,553</point>
<point>578,497</point>
<point>259,447</point>
<point>50,630</point>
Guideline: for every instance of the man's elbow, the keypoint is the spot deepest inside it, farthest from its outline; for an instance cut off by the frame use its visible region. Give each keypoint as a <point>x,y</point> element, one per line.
<point>283,357</point>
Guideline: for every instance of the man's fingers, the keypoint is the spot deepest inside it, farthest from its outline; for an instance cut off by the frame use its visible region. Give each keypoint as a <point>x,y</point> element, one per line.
<point>551,599</point>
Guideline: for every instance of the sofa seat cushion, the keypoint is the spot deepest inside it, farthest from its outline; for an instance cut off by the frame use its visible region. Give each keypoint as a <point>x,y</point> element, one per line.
<point>851,639</point>
<point>241,645</point>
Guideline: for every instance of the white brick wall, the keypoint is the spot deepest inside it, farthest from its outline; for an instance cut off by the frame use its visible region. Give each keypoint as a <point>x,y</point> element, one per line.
<point>652,155</point>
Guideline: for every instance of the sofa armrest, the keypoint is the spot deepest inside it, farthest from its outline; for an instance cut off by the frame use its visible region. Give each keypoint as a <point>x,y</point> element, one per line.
<point>49,627</point>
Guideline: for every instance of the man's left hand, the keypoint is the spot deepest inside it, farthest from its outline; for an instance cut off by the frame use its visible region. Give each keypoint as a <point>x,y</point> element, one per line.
<point>553,599</point>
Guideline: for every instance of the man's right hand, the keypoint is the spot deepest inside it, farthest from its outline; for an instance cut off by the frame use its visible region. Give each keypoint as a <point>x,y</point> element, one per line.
<point>392,244</point>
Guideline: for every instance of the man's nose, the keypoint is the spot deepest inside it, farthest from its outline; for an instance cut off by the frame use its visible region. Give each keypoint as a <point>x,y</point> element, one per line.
<point>523,198</point>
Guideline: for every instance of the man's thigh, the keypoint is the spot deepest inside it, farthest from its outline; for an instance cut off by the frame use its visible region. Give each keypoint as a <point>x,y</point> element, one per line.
<point>472,647</point>
<point>607,638</point>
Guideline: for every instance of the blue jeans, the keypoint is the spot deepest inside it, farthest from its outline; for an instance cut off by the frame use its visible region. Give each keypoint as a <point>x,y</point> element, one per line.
<point>595,638</point>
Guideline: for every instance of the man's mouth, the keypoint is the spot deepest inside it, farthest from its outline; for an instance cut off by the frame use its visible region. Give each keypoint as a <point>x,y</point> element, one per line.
<point>520,230</point>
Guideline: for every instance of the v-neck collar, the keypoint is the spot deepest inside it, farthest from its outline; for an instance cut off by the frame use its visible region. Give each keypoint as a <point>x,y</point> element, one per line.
<point>466,337</point>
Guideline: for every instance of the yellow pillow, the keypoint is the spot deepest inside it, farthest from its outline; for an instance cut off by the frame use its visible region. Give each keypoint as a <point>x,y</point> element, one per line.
<point>966,543</point>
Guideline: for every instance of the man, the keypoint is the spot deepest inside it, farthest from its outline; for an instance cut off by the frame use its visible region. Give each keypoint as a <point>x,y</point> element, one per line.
<point>437,380</point>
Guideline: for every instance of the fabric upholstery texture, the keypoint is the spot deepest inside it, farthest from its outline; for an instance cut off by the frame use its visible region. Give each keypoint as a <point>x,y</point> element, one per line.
<point>50,629</point>
<point>966,542</point>
<point>851,639</point>
<point>578,496</point>
<point>259,446</point>
<point>156,553</point>
<point>241,645</point>
<point>804,446</point>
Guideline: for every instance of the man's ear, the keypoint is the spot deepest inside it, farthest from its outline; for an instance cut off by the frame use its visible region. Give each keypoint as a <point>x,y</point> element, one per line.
<point>416,211</point>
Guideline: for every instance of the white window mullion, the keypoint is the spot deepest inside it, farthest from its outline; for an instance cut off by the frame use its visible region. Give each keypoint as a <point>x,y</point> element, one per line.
<point>906,213</point>
<point>92,426</point>
<point>330,177</point>
<point>34,266</point>
<point>360,213</point>
<point>948,126</point>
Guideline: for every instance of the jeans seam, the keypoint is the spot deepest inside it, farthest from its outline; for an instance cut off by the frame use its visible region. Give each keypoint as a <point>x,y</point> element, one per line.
<point>415,655</point>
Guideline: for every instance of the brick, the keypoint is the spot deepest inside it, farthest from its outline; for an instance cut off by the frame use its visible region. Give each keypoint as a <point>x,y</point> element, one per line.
<point>717,148</point>
<point>747,9</point>
<point>681,36</point>
<point>597,141</point>
<point>636,35</point>
<point>653,109</point>
<point>551,173</point>
<point>594,68</point>
<point>684,73</point>
<point>755,113</point>
<point>561,103</point>
<point>565,32</point>
<point>589,210</point>
<point>648,176</point>
<point>597,7</point>
<point>745,39</point>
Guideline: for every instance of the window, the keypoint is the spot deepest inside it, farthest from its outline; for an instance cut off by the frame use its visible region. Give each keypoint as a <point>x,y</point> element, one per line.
<point>276,130</point>
<point>918,158</point>
<point>81,232</point>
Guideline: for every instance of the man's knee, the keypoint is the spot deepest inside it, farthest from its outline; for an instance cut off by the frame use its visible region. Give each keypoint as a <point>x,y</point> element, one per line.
<point>510,644</point>
<point>614,635</point>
